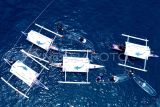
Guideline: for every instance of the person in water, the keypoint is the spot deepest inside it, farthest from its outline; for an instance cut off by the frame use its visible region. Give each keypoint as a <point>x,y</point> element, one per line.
<point>130,73</point>
<point>82,40</point>
<point>99,78</point>
<point>113,79</point>
<point>59,27</point>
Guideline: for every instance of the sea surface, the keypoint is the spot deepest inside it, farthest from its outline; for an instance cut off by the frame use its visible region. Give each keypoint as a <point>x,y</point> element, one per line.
<point>101,22</point>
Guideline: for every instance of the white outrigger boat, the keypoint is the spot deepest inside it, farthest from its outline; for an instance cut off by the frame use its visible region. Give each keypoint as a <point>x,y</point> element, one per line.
<point>42,41</point>
<point>76,65</point>
<point>24,73</point>
<point>138,51</point>
<point>21,70</point>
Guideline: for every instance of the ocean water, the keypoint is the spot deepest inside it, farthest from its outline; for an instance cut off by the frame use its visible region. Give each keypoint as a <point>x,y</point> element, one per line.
<point>100,21</point>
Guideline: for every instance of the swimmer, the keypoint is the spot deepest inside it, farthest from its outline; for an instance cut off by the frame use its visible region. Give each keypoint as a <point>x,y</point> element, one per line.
<point>82,40</point>
<point>59,27</point>
<point>113,79</point>
<point>99,78</point>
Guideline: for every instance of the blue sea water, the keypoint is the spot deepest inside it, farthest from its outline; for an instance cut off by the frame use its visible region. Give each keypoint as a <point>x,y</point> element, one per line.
<point>102,22</point>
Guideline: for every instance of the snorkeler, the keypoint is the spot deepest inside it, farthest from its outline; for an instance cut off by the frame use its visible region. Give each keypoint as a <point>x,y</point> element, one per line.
<point>113,79</point>
<point>99,78</point>
<point>59,27</point>
<point>130,73</point>
<point>121,77</point>
<point>82,40</point>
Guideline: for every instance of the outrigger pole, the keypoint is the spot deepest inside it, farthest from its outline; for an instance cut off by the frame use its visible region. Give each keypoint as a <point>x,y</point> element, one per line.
<point>33,58</point>
<point>128,36</point>
<point>67,50</point>
<point>14,88</point>
<point>48,30</point>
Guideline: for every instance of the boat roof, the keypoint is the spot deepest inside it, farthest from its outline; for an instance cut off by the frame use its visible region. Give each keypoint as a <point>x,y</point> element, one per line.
<point>23,72</point>
<point>136,50</point>
<point>40,40</point>
<point>75,64</point>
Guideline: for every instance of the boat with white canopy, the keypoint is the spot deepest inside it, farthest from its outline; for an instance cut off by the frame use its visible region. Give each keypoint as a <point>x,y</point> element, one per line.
<point>41,40</point>
<point>75,65</point>
<point>24,73</point>
<point>136,50</point>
